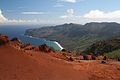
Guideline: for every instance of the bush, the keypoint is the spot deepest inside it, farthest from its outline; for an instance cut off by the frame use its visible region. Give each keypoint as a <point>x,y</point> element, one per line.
<point>85,57</point>
<point>114,55</point>
<point>2,42</point>
<point>14,39</point>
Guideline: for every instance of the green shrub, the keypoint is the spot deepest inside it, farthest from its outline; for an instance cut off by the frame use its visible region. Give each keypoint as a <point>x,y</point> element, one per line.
<point>114,55</point>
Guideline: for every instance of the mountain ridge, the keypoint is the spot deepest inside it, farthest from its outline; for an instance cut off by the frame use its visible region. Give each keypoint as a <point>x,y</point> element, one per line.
<point>77,37</point>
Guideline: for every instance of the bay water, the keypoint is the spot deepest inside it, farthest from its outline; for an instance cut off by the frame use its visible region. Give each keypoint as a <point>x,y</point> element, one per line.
<point>19,30</point>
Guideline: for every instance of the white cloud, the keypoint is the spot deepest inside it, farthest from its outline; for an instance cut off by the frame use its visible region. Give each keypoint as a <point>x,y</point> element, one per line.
<point>91,16</point>
<point>32,13</point>
<point>70,1</point>
<point>5,20</point>
<point>97,14</point>
<point>70,11</point>
<point>21,21</point>
<point>69,17</point>
<point>2,18</point>
<point>70,14</point>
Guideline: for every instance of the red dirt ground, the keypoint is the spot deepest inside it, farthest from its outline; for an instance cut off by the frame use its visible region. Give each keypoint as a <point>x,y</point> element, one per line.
<point>18,65</point>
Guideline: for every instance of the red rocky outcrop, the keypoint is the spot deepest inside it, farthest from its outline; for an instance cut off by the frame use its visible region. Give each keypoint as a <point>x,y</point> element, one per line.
<point>45,48</point>
<point>3,39</point>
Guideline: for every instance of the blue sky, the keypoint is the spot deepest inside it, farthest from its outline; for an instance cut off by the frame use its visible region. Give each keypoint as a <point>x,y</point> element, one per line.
<point>59,11</point>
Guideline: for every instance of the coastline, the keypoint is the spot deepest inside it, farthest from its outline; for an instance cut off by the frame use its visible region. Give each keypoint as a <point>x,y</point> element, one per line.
<point>35,40</point>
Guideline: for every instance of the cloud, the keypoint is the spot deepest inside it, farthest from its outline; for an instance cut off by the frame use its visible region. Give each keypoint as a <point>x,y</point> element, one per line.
<point>70,14</point>
<point>91,16</point>
<point>5,21</point>
<point>68,17</point>
<point>21,21</point>
<point>70,1</point>
<point>94,14</point>
<point>2,18</point>
<point>32,13</point>
<point>70,11</point>
<point>61,2</point>
<point>97,14</point>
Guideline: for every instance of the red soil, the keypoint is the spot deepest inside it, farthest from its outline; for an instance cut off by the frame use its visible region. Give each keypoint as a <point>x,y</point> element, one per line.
<point>18,65</point>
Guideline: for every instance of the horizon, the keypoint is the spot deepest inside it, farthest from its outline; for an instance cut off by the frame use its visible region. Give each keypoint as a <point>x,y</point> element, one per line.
<point>55,12</point>
<point>46,25</point>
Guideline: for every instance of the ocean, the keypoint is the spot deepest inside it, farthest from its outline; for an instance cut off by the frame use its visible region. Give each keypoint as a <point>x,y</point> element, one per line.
<point>19,30</point>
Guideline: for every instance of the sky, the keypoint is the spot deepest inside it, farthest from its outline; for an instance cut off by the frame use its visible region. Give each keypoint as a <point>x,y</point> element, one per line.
<point>58,11</point>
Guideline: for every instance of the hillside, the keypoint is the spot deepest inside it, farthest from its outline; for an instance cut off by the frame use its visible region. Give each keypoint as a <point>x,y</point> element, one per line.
<point>26,64</point>
<point>104,46</point>
<point>77,37</point>
<point>18,65</point>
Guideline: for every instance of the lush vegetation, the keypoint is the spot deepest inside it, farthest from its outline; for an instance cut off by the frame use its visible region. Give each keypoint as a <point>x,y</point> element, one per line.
<point>105,46</point>
<point>114,55</point>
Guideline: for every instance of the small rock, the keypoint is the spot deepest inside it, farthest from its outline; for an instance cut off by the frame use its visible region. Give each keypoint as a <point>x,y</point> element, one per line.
<point>103,62</point>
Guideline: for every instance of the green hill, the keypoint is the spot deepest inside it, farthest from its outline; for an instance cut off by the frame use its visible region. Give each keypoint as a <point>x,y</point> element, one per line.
<point>77,37</point>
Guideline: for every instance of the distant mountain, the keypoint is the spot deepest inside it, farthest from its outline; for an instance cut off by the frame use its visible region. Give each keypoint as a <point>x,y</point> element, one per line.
<point>77,37</point>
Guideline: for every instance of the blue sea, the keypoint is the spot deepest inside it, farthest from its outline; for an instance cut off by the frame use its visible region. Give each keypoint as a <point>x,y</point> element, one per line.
<point>19,30</point>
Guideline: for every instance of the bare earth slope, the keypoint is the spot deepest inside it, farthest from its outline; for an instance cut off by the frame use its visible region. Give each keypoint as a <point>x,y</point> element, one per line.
<point>18,65</point>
